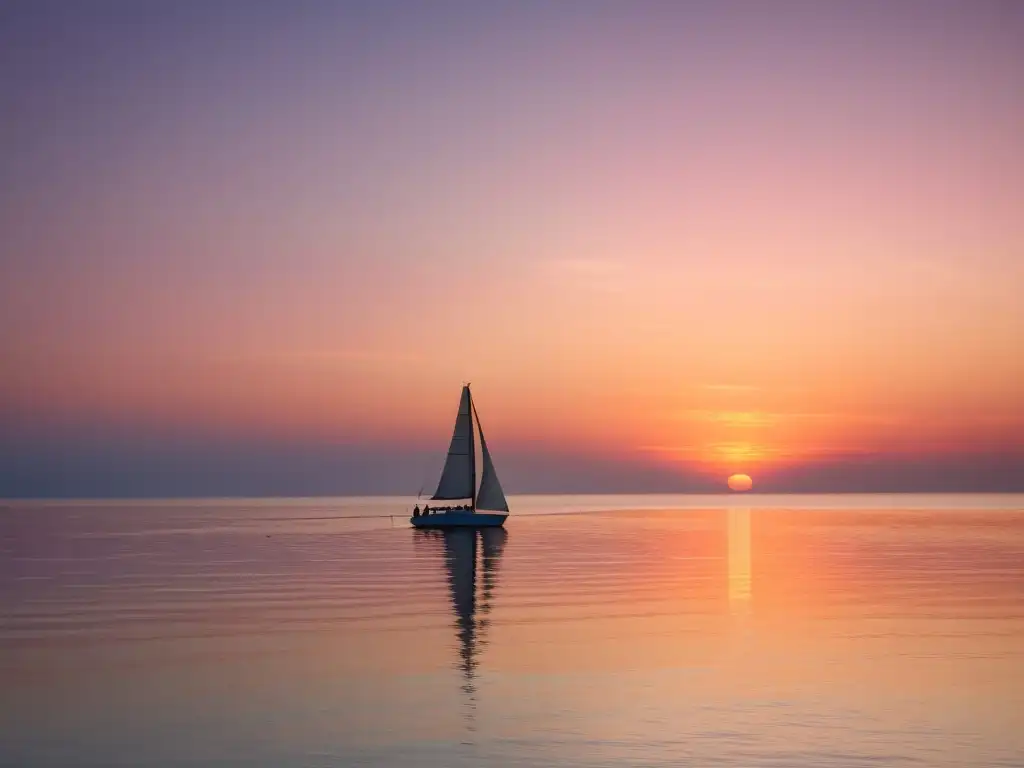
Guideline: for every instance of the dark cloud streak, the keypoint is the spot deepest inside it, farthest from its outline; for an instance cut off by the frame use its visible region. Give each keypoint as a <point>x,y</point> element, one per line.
<point>132,466</point>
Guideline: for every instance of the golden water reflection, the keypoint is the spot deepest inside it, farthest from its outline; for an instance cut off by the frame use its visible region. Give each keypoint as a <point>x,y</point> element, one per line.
<point>739,559</point>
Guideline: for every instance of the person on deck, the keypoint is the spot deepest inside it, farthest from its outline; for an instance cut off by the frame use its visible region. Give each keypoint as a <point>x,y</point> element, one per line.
<point>416,511</point>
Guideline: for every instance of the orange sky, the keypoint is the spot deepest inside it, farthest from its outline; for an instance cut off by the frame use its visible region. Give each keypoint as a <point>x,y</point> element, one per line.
<point>725,241</point>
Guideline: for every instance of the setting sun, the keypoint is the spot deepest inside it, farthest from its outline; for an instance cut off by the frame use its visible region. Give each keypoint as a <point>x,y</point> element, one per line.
<point>740,483</point>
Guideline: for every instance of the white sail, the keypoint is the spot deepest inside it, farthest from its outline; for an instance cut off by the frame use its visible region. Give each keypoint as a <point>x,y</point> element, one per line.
<point>490,496</point>
<point>458,476</point>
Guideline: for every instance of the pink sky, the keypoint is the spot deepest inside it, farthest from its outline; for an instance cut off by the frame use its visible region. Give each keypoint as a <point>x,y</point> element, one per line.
<point>725,238</point>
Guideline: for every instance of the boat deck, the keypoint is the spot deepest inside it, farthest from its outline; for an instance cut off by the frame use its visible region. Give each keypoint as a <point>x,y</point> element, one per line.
<point>459,520</point>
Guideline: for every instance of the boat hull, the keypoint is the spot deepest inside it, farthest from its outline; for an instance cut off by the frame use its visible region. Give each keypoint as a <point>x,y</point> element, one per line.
<point>459,520</point>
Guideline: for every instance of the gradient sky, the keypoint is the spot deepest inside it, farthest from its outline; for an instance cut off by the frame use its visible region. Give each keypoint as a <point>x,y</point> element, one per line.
<point>252,247</point>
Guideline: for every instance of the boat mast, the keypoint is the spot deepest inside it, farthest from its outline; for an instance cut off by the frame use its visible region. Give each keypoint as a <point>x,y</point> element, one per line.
<point>472,455</point>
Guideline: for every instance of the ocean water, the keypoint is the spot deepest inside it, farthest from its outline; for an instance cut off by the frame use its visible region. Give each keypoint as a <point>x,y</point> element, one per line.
<point>593,631</point>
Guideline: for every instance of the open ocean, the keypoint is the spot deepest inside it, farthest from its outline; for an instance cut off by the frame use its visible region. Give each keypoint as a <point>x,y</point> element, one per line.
<point>789,631</point>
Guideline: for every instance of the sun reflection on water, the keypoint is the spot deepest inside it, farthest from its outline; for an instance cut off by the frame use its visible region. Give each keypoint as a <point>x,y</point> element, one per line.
<point>739,558</point>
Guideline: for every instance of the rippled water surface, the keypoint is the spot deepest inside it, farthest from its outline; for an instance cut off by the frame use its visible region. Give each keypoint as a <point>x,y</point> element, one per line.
<point>796,631</point>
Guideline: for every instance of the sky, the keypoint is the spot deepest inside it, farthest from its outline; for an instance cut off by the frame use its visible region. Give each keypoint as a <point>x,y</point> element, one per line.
<point>255,248</point>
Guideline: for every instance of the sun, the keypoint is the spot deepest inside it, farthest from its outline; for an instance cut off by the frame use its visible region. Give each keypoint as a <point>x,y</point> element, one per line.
<point>740,483</point>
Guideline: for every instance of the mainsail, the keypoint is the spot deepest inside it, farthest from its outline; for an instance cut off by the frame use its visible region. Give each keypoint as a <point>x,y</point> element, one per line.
<point>458,477</point>
<point>490,496</point>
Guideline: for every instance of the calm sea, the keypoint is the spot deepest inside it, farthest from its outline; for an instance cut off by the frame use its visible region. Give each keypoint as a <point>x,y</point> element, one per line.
<point>594,631</point>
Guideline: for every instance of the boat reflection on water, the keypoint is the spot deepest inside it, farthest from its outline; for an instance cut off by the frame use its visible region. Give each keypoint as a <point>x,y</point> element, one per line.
<point>472,558</point>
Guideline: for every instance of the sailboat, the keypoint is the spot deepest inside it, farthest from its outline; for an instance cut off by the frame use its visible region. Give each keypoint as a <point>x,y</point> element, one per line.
<point>458,479</point>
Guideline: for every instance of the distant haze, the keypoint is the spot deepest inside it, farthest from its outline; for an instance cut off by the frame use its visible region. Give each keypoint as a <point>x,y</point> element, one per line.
<point>255,248</point>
